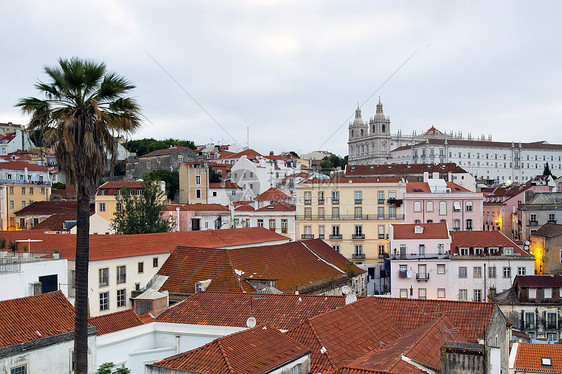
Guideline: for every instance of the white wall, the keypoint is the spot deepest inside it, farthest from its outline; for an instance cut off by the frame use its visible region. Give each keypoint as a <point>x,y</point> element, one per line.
<point>434,282</point>
<point>52,359</point>
<point>19,282</point>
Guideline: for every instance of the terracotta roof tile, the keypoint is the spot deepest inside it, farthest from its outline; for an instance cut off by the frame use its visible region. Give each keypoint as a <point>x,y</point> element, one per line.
<point>436,230</point>
<point>249,153</point>
<point>244,208</point>
<point>538,281</point>
<point>233,309</point>
<point>111,188</point>
<point>278,206</point>
<point>273,194</point>
<point>48,207</point>
<point>118,246</point>
<point>198,207</point>
<point>483,239</point>
<point>549,230</point>
<point>256,350</point>
<point>147,318</point>
<point>529,357</point>
<point>424,187</point>
<point>54,222</point>
<point>401,169</point>
<point>164,152</point>
<point>226,184</point>
<point>117,321</point>
<point>21,165</point>
<point>34,317</point>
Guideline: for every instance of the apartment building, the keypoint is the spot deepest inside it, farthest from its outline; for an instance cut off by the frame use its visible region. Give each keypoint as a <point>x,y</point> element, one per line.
<point>351,214</point>
<point>539,209</point>
<point>21,184</point>
<point>194,183</point>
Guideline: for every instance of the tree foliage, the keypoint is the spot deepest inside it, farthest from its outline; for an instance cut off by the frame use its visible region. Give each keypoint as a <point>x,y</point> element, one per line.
<point>140,214</point>
<point>547,171</point>
<point>147,145</point>
<point>333,162</point>
<point>108,368</point>
<point>214,177</point>
<point>172,179</point>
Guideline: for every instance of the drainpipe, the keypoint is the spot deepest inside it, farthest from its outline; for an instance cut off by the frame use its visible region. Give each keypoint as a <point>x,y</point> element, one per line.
<point>178,218</point>
<point>485,289</point>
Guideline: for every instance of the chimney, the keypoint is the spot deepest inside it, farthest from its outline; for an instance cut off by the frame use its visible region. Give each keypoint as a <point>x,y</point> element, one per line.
<point>435,175</point>
<point>425,176</point>
<point>450,176</point>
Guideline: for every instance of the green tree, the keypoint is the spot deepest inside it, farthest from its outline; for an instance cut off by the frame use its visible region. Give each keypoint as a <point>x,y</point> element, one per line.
<point>107,368</point>
<point>172,179</point>
<point>141,214</point>
<point>214,177</point>
<point>83,107</point>
<point>58,186</point>
<point>546,171</point>
<point>147,145</point>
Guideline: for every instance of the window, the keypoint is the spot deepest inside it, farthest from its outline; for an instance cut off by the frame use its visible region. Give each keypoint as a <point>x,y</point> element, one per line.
<point>358,231</point>
<point>468,225</point>
<point>440,248</point>
<point>308,213</point>
<point>11,190</point>
<point>422,293</point>
<point>336,248</point>
<point>119,207</point>
<point>104,276</point>
<point>521,270</point>
<point>469,206</point>
<point>358,197</point>
<point>285,225</point>
<point>551,218</point>
<point>404,293</point>
<point>358,212</point>
<point>31,190</point>
<point>417,206</point>
<point>11,204</point>
<point>23,190</point>
<point>456,206</point>
<point>335,197</point>
<point>358,250</point>
<point>307,197</point>
<point>198,193</point>
<point>121,298</point>
<point>197,179</point>
<point>104,301</point>
<point>335,212</point>
<point>477,272</point>
<point>547,293</point>
<point>421,250</point>
<point>272,224</point>
<point>551,321</point>
<point>532,293</point>
<point>260,222</point>
<point>440,268</point>
<point>380,195</point>
<point>391,212</point>
<point>381,231</point>
<point>320,197</point>
<point>530,320</point>
<point>335,230</point>
<point>102,207</point>
<point>462,295</point>
<point>321,232</point>
<point>441,293</point>
<point>533,217</point>
<point>422,271</point>
<point>442,208</point>
<point>380,212</point>
<point>121,274</point>
<point>19,370</point>
<point>155,262</point>
<point>477,295</point>
<point>492,272</point>
<point>429,206</point>
<point>462,272</point>
<point>506,272</point>
<point>140,267</point>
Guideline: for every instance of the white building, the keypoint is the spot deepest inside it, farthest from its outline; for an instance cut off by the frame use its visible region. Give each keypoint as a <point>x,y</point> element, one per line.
<point>476,266</point>
<point>13,138</point>
<point>278,217</point>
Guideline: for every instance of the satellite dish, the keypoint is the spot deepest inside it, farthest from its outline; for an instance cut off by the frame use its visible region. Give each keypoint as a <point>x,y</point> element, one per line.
<point>251,322</point>
<point>346,290</point>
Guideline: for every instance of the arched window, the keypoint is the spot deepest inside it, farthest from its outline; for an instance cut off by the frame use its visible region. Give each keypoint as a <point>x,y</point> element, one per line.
<point>361,132</point>
<point>417,206</point>
<point>352,133</point>
<point>383,128</point>
<point>373,129</point>
<point>456,224</point>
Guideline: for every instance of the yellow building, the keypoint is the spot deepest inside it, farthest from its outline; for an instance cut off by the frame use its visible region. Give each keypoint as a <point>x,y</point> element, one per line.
<point>194,183</point>
<point>21,184</point>
<point>350,214</point>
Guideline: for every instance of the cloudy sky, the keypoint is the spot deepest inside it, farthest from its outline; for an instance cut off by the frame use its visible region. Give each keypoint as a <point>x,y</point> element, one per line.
<point>294,71</point>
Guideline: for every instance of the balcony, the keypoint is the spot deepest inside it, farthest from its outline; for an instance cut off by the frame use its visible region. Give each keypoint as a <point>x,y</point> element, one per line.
<point>335,201</point>
<point>307,236</point>
<point>533,223</point>
<point>307,202</point>
<point>320,201</point>
<point>395,202</point>
<point>422,277</point>
<point>358,201</point>
<point>402,273</point>
<point>336,236</point>
<point>417,256</point>
<point>358,236</point>
<point>358,256</point>
<point>321,236</point>
<point>352,217</point>
<point>551,221</point>
<point>25,182</point>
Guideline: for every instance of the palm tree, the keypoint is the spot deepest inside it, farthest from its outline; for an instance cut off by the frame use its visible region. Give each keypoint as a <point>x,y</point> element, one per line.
<point>83,107</point>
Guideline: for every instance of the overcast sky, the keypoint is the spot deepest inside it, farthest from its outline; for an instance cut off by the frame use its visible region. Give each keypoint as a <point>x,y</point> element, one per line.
<point>294,71</point>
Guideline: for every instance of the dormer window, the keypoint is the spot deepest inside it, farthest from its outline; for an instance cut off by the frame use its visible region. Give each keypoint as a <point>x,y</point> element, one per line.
<point>546,361</point>
<point>464,251</point>
<point>418,230</point>
<point>508,251</point>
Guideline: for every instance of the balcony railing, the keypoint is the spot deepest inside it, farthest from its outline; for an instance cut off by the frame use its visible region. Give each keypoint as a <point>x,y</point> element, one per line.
<point>533,223</point>
<point>320,201</point>
<point>350,217</point>
<point>307,236</point>
<point>422,276</point>
<point>417,256</point>
<point>551,221</point>
<point>335,201</point>
<point>25,182</point>
<point>335,236</point>
<point>358,256</point>
<point>307,202</point>
<point>321,236</point>
<point>358,201</point>
<point>358,236</point>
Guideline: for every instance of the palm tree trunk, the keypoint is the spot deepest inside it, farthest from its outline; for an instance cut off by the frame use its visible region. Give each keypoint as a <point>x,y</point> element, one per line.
<point>81,297</point>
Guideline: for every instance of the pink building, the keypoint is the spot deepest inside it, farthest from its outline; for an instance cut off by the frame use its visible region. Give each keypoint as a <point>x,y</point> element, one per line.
<point>500,204</point>
<point>436,200</point>
<point>193,217</point>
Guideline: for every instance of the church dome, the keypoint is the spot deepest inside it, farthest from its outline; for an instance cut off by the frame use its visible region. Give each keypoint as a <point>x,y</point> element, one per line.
<point>358,120</point>
<point>379,115</point>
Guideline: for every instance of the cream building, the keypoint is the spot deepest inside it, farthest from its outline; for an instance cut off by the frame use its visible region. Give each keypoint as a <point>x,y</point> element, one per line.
<point>351,214</point>
<point>194,183</point>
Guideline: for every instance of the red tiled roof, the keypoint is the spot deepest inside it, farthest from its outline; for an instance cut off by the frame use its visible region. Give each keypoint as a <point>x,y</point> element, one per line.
<point>198,207</point>
<point>54,222</point>
<point>233,309</point>
<point>249,153</point>
<point>164,152</point>
<point>256,350</point>
<point>273,194</point>
<point>111,188</point>
<point>294,265</point>
<point>538,281</point>
<point>401,169</point>
<point>34,317</point>
<point>483,239</point>
<point>549,230</point>
<point>382,321</point>
<point>117,246</point>
<point>117,321</point>
<point>147,318</point>
<point>278,206</point>
<point>529,357</point>
<point>21,165</point>
<point>424,187</point>
<point>430,231</point>
<point>48,207</point>
<point>227,184</point>
<point>244,208</point>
